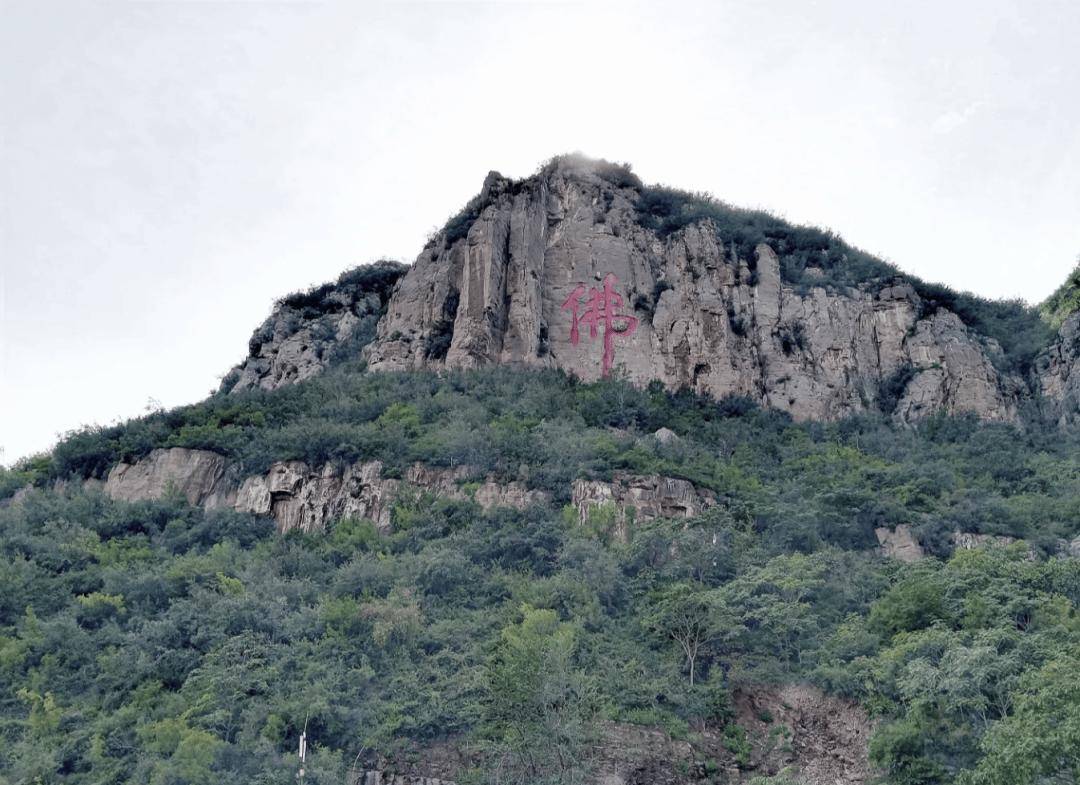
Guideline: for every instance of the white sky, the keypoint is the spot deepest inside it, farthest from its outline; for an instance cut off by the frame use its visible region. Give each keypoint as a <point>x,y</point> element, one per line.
<point>168,169</point>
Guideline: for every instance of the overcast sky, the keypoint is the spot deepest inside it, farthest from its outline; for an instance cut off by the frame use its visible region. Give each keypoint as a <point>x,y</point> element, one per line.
<point>170,168</point>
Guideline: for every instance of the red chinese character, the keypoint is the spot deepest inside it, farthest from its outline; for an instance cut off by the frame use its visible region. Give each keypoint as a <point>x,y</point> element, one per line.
<point>600,311</point>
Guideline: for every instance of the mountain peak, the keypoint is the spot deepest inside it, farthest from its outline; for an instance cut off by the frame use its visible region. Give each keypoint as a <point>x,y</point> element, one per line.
<point>583,268</point>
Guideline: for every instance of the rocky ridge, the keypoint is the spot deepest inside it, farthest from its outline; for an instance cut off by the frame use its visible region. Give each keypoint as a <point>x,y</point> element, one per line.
<point>300,497</point>
<point>559,271</point>
<point>306,331</point>
<point>1058,371</point>
<point>311,499</point>
<point>685,309</point>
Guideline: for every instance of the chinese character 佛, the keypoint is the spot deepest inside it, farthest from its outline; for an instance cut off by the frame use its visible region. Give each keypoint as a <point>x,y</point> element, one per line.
<point>600,312</point>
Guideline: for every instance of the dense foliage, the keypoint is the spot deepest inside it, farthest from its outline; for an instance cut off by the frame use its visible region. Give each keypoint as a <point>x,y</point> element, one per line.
<point>812,483</point>
<point>354,284</point>
<point>157,643</point>
<point>1064,302</point>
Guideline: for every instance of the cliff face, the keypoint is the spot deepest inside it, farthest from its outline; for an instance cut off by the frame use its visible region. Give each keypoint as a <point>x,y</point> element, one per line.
<point>557,271</point>
<point>564,270</point>
<point>308,330</point>
<point>298,496</point>
<point>1058,370</point>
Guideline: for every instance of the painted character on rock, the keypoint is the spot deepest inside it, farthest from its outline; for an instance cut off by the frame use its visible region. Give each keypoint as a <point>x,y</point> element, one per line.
<point>600,313</point>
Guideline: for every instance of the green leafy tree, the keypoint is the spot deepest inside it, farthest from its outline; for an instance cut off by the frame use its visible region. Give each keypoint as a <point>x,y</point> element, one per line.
<point>1040,741</point>
<point>692,617</point>
<point>540,702</point>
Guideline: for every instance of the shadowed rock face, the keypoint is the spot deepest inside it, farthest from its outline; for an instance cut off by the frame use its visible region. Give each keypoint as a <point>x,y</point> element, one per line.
<point>556,272</point>
<point>1058,371</point>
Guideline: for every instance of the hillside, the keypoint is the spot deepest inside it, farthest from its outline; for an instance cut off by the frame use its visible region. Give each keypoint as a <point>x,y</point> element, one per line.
<point>497,564</point>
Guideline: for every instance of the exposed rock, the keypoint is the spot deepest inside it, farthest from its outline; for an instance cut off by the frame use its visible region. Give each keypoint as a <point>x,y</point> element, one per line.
<point>899,543</point>
<point>1058,370</point>
<point>687,310</point>
<point>822,739</point>
<point>952,373</point>
<point>639,498</point>
<point>305,331</point>
<point>200,475</point>
<point>666,436</point>
<point>298,496</point>
<point>829,735</point>
<point>969,541</point>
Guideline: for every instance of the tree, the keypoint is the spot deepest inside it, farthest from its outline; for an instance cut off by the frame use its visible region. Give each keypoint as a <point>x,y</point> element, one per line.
<point>691,616</point>
<point>1040,741</point>
<point>540,703</point>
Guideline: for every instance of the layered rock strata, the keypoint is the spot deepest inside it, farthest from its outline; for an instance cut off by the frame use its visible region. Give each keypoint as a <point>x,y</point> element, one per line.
<point>298,496</point>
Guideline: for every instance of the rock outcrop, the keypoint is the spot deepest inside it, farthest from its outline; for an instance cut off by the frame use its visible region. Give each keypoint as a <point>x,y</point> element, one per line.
<point>306,331</point>
<point>899,543</point>
<point>200,475</point>
<point>300,497</point>
<point>1058,371</point>
<point>813,738</point>
<point>828,740</point>
<point>630,497</point>
<point>557,271</point>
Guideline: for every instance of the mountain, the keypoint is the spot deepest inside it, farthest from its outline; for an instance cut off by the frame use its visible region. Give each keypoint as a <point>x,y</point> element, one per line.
<point>583,268</point>
<point>817,524</point>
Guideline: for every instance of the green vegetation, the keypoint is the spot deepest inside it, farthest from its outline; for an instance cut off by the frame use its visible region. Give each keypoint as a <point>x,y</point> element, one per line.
<point>158,643</point>
<point>1064,301</point>
<point>351,286</point>
<point>363,291</point>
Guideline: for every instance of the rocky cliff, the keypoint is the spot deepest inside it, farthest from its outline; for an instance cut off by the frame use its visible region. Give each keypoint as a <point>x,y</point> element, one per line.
<point>558,271</point>
<point>571,269</point>
<point>1058,371</point>
<point>297,496</point>
<point>630,497</point>
<point>568,269</point>
<point>306,331</point>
